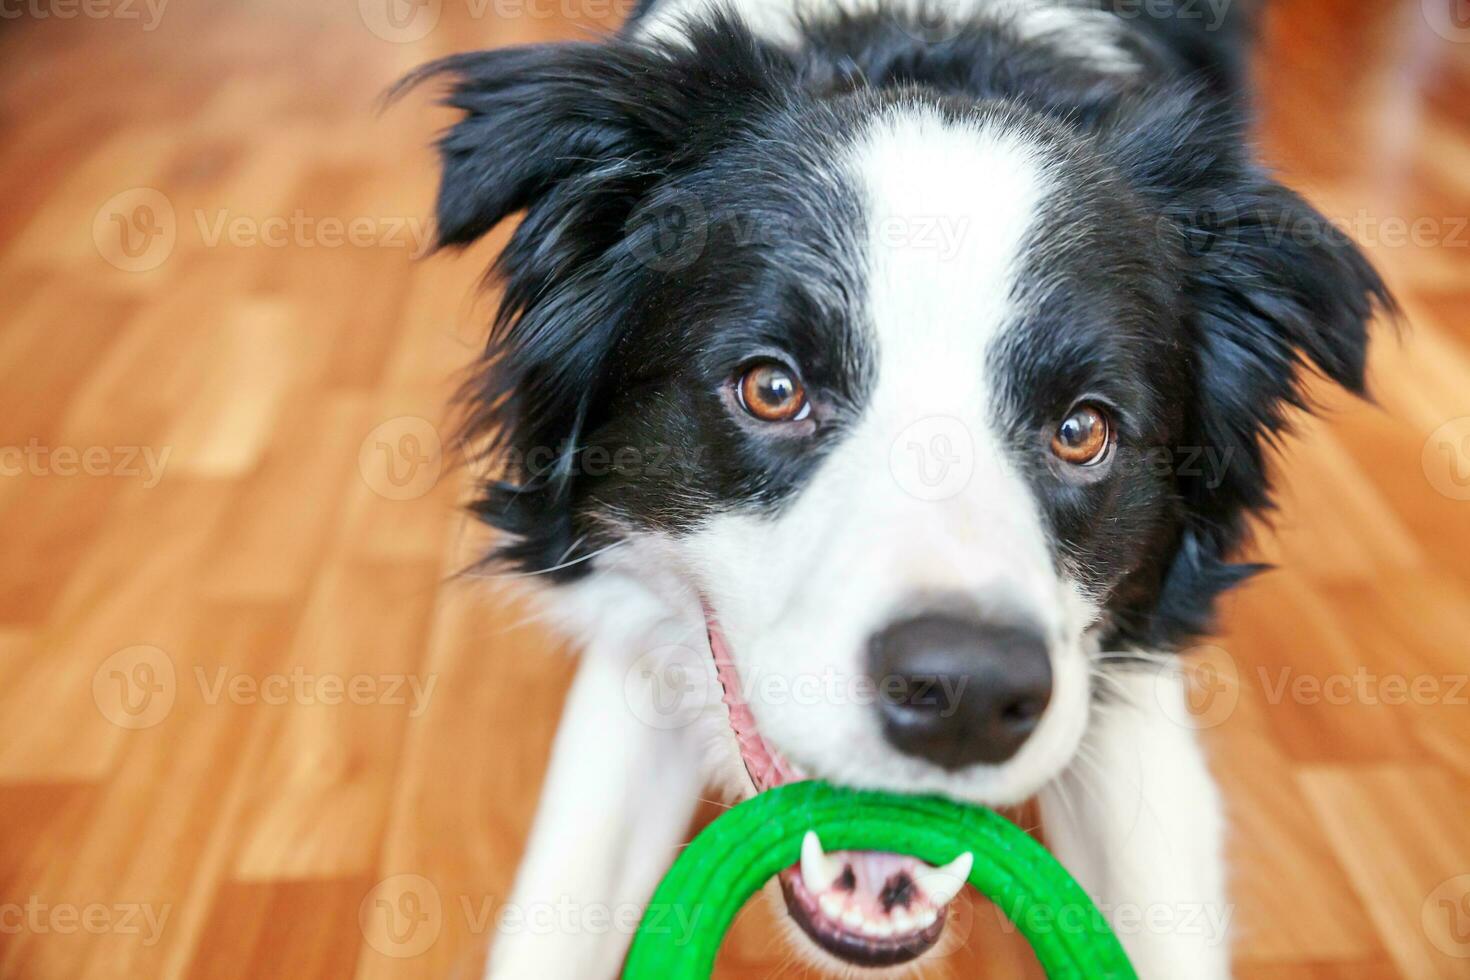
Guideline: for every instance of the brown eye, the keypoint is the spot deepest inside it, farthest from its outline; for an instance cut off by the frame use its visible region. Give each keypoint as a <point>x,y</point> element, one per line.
<point>1082,438</point>
<point>771,393</point>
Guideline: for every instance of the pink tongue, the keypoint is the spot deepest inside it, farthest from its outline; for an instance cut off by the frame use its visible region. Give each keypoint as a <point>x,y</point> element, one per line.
<point>763,763</point>
<point>883,883</point>
<point>876,897</point>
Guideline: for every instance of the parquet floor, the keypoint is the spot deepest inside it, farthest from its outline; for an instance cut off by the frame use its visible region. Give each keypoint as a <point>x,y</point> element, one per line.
<point>241,711</point>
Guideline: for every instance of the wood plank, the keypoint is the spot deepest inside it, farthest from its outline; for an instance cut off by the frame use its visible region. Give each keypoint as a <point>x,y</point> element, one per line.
<point>1400,833</point>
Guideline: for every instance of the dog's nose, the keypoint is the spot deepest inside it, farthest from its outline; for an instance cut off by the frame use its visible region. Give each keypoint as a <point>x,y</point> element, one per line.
<point>958,690</point>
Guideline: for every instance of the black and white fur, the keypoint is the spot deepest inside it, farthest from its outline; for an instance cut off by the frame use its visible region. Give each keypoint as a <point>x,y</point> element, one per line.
<point>1110,237</point>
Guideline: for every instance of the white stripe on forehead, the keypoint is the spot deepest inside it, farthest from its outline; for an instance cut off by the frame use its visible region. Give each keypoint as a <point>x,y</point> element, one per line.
<point>949,205</point>
<point>1071,28</point>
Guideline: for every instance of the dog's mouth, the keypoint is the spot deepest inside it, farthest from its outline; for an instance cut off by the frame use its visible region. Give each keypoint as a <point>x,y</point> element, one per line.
<point>867,908</point>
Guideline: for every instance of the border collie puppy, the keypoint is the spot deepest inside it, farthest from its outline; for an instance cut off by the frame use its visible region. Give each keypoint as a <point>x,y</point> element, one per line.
<point>847,365</point>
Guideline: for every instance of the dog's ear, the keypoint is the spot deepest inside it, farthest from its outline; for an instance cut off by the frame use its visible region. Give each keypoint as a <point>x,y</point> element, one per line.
<point>532,116</point>
<point>1272,291</point>
<point>621,113</point>
<point>589,141</point>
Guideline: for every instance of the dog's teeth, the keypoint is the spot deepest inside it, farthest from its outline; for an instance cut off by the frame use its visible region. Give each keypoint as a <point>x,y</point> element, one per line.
<point>831,906</point>
<point>853,919</point>
<point>902,921</point>
<point>941,885</point>
<point>818,871</point>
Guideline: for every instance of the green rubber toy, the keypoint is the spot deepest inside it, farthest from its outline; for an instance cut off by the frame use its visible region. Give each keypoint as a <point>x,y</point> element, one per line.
<point>727,863</point>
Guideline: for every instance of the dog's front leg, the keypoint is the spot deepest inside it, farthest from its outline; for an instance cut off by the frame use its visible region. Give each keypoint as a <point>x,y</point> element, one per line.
<point>618,798</point>
<point>1138,822</point>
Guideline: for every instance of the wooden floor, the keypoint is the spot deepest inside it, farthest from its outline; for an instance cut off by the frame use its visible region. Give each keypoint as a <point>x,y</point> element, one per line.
<point>227,532</point>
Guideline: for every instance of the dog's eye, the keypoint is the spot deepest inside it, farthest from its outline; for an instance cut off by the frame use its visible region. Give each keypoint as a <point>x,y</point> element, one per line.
<point>771,392</point>
<point>1083,437</point>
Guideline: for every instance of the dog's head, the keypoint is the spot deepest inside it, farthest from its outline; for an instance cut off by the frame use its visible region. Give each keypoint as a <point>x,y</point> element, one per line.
<point>941,388</point>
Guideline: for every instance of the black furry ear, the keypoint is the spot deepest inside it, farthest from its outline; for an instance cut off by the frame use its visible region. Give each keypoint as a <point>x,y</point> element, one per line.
<point>537,115</point>
<point>584,138</point>
<point>1272,291</point>
<point>532,116</point>
<point>1277,289</point>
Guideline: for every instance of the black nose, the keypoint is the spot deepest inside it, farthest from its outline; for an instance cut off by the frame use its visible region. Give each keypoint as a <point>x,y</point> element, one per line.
<point>958,690</point>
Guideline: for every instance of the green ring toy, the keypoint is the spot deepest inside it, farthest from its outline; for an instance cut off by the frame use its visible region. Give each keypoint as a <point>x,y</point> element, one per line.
<point>746,846</point>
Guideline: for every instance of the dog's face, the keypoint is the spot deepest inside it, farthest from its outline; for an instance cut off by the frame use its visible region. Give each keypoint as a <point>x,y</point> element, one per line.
<point>900,383</point>
<point>924,391</point>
